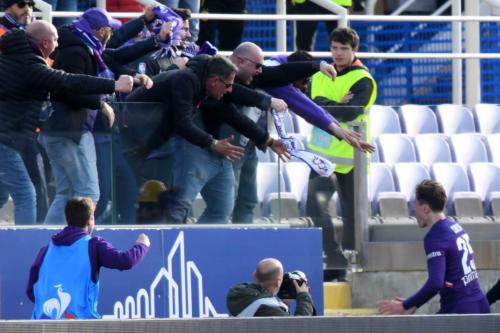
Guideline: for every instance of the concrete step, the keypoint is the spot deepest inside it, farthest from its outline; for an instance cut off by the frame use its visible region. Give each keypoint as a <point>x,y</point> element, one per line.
<point>337,295</point>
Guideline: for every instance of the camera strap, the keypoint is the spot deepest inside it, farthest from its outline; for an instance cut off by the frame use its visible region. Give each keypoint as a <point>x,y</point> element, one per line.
<point>251,309</point>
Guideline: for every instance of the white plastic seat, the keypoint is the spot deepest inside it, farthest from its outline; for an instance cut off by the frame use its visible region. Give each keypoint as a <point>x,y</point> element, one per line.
<point>269,180</point>
<point>417,119</point>
<point>493,141</point>
<point>468,148</point>
<point>454,119</point>
<point>303,127</point>
<point>485,180</point>
<point>381,188</point>
<point>487,118</point>
<point>408,176</point>
<point>296,176</point>
<point>375,156</point>
<point>461,201</point>
<point>383,119</point>
<point>432,148</point>
<point>396,148</point>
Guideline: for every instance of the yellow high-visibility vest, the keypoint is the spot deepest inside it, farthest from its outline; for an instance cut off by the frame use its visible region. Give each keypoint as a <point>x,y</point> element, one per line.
<point>323,143</point>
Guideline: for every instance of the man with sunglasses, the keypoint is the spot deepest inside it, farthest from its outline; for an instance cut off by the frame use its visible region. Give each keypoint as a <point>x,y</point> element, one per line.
<point>18,14</point>
<point>248,57</point>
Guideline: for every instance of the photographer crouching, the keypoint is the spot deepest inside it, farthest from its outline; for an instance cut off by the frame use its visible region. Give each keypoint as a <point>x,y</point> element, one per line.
<point>271,293</point>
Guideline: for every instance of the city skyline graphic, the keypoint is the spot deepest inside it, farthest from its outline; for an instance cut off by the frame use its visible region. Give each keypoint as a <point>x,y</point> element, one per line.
<point>180,294</point>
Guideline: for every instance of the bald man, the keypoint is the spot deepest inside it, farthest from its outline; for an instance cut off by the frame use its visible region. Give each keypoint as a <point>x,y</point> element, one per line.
<point>259,299</point>
<point>248,58</point>
<point>25,83</point>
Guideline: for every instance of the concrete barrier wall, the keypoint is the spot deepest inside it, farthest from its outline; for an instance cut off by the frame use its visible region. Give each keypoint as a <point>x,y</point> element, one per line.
<point>373,324</point>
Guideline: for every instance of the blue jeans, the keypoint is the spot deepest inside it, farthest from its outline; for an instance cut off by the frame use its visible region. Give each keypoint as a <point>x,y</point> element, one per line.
<point>198,170</point>
<point>75,172</point>
<point>63,6</point>
<point>245,174</point>
<point>194,6</point>
<point>15,180</point>
<point>124,183</point>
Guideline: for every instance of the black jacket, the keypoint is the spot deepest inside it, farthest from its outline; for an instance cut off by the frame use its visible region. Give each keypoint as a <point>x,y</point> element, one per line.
<point>493,294</point>
<point>182,93</point>
<point>26,80</point>
<point>244,294</point>
<point>74,56</point>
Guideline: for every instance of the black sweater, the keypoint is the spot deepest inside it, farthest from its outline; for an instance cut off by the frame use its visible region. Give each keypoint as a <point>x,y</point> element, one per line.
<point>26,80</point>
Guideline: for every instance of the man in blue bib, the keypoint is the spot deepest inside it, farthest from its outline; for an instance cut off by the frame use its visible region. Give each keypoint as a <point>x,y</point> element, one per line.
<point>64,279</point>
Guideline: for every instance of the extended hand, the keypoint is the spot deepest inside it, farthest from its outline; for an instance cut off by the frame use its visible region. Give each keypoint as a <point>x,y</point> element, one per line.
<point>143,239</point>
<point>353,138</point>
<point>143,80</point>
<point>328,70</point>
<point>278,104</point>
<point>124,84</point>
<point>281,150</point>
<point>107,110</point>
<point>394,306</point>
<point>226,149</point>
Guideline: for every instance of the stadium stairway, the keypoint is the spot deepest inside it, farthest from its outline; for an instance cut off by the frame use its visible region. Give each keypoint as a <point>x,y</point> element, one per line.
<point>337,301</point>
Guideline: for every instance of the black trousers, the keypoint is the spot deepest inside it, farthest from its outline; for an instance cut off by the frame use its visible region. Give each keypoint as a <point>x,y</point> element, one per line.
<point>305,34</point>
<point>320,190</point>
<point>230,32</point>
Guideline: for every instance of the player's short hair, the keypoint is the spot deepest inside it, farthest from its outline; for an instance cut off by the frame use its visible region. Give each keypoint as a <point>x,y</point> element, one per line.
<point>220,66</point>
<point>431,193</point>
<point>345,36</point>
<point>78,211</point>
<point>268,276</point>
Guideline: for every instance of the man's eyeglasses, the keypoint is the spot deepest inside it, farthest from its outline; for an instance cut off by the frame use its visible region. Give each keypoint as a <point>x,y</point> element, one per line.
<point>257,65</point>
<point>22,4</point>
<point>227,85</point>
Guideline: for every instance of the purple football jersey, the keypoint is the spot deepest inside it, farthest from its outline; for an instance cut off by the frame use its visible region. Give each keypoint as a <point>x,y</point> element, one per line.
<point>452,272</point>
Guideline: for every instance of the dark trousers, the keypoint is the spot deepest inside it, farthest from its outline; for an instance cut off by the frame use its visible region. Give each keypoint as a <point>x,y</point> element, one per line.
<point>305,31</point>
<point>38,169</point>
<point>230,32</point>
<point>320,190</point>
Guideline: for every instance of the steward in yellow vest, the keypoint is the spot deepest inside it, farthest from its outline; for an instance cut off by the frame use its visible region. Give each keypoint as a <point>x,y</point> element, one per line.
<point>355,82</point>
<point>346,99</point>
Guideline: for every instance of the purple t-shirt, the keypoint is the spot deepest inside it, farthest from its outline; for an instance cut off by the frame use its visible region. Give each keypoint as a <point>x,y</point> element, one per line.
<point>451,268</point>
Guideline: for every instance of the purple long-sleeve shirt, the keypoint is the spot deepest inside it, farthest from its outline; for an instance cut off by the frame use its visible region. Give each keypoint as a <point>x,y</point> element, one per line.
<point>101,254</point>
<point>301,104</point>
<point>451,268</point>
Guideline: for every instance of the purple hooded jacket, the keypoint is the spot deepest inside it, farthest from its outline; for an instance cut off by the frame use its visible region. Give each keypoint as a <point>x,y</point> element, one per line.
<point>300,103</point>
<point>101,254</point>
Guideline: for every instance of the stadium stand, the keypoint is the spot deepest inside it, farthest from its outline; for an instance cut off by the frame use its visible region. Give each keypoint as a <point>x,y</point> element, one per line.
<point>432,148</point>
<point>487,118</point>
<point>417,119</point>
<point>383,119</point>
<point>396,148</point>
<point>454,119</point>
<point>408,176</point>
<point>468,148</point>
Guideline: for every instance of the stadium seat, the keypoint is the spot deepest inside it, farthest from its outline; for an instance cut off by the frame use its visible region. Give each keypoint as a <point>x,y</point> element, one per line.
<point>303,127</point>
<point>385,201</point>
<point>487,118</point>
<point>269,180</point>
<point>375,156</point>
<point>432,148</point>
<point>408,176</point>
<point>462,203</point>
<point>454,119</point>
<point>417,119</point>
<point>468,148</point>
<point>383,119</point>
<point>296,176</point>
<point>485,180</point>
<point>494,147</point>
<point>395,148</point>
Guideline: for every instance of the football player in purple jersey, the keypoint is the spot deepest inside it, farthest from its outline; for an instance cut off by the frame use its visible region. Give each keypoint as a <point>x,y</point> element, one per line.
<point>450,260</point>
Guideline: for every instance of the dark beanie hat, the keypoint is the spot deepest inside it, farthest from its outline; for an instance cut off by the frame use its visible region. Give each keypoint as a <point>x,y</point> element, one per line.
<point>8,3</point>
